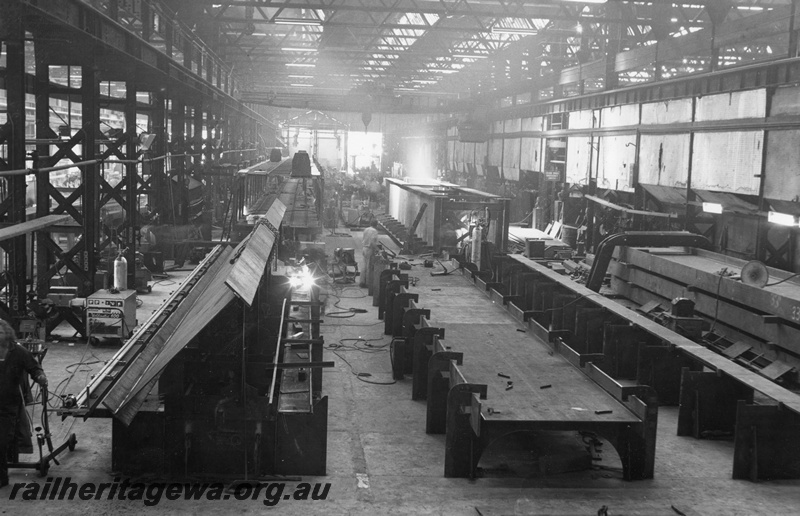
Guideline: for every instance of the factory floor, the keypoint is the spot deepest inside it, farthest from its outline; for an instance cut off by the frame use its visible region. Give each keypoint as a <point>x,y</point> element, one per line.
<point>381,461</point>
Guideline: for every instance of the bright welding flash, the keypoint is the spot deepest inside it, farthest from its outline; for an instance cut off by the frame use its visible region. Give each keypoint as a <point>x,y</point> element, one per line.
<point>295,281</point>
<point>307,279</point>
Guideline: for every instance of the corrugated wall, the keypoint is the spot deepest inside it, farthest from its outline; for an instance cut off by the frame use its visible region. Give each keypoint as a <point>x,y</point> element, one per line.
<point>782,179</point>
<point>578,152</point>
<point>664,159</point>
<point>617,158</point>
<point>669,112</point>
<point>727,161</point>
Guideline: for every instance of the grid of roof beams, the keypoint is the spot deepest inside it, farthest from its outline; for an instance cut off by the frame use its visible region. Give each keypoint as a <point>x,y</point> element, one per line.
<point>320,53</point>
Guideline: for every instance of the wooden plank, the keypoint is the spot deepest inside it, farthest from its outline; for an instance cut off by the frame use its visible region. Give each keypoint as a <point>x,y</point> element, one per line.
<point>704,356</point>
<point>30,226</point>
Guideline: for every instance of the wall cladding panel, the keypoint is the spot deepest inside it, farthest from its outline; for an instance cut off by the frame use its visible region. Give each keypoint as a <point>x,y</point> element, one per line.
<point>727,162</point>
<point>531,154</point>
<point>617,156</point>
<point>511,152</point>
<point>782,179</point>
<point>664,159</point>
<point>581,119</point>
<point>618,116</point>
<point>457,155</point>
<point>513,126</point>
<point>578,152</point>
<point>481,151</point>
<point>786,101</point>
<point>730,106</point>
<point>668,112</point>
<point>496,152</point>
<point>532,124</point>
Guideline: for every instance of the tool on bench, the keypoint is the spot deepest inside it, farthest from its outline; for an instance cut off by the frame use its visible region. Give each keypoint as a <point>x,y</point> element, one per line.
<point>444,272</point>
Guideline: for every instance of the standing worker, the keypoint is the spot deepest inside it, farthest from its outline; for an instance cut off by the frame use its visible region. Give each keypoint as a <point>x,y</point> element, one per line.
<point>369,243</point>
<point>14,360</point>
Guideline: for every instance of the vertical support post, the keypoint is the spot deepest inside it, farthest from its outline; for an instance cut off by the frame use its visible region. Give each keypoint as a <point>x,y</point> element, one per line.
<point>690,196</point>
<point>158,149</point>
<point>15,90</point>
<point>612,46</point>
<point>147,21</point>
<point>132,184</point>
<point>179,147</point>
<point>43,131</point>
<point>90,91</point>
<point>793,30</point>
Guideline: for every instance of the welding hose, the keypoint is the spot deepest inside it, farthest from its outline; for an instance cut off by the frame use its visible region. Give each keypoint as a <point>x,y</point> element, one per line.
<point>46,422</point>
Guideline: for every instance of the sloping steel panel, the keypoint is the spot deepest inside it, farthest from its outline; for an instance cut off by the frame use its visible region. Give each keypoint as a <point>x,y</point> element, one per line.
<point>618,116</point>
<point>727,161</point>
<point>730,106</point>
<point>728,201</point>
<point>208,297</point>
<point>782,179</point>
<point>578,152</point>
<point>664,159</point>
<point>276,213</point>
<point>667,112</point>
<point>667,196</point>
<point>253,253</point>
<point>617,157</point>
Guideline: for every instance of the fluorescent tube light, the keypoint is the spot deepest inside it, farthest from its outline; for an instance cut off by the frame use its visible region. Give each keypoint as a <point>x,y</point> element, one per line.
<point>712,207</point>
<point>522,32</point>
<point>782,219</point>
<point>297,21</point>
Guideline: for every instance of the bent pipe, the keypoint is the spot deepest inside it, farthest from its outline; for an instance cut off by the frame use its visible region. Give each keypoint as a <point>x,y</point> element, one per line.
<point>638,239</point>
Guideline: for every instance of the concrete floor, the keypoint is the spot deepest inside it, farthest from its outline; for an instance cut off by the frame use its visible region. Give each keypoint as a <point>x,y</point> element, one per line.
<point>380,461</point>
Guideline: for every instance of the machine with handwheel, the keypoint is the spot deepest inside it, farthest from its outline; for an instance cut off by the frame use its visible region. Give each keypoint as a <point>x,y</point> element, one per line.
<point>43,436</point>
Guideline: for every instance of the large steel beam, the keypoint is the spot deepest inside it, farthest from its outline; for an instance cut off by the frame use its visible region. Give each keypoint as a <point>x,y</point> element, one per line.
<point>43,132</point>
<point>13,210</point>
<point>90,185</point>
<point>131,225</point>
<point>638,239</point>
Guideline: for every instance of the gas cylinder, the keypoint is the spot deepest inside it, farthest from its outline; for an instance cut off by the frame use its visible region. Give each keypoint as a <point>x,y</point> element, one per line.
<point>120,272</point>
<point>475,248</point>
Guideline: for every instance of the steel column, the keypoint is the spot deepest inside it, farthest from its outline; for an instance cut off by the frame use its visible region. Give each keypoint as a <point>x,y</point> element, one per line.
<point>43,132</point>
<point>13,207</point>
<point>131,226</point>
<point>90,91</point>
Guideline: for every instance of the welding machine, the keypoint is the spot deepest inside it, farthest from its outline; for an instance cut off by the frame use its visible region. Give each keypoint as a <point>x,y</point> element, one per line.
<point>111,314</point>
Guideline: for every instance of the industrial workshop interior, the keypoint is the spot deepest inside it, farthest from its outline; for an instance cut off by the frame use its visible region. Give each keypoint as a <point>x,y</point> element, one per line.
<point>462,257</point>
